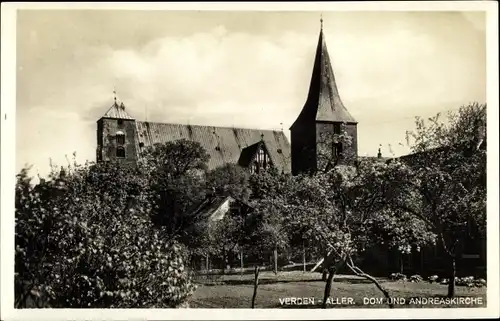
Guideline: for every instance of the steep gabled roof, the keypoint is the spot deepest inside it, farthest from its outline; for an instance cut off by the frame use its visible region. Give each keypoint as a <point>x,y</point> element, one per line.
<point>323,101</point>
<point>223,144</point>
<point>117,112</point>
<point>215,208</point>
<point>248,154</point>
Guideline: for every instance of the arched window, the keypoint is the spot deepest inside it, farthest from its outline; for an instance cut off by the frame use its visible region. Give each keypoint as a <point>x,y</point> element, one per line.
<point>120,152</point>
<point>261,160</point>
<point>120,138</point>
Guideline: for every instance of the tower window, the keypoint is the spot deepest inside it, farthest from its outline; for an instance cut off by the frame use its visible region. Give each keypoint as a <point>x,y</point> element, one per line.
<point>120,138</point>
<point>336,129</point>
<point>120,122</point>
<point>120,152</point>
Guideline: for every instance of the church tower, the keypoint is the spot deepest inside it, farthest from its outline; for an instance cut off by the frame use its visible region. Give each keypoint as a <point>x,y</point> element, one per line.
<point>317,140</point>
<point>116,135</point>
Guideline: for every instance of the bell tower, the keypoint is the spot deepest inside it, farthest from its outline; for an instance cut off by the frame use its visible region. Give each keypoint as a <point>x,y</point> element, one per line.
<point>324,134</point>
<point>116,135</point>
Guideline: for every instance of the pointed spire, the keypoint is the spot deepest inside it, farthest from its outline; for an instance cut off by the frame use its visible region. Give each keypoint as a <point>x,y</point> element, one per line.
<point>323,101</point>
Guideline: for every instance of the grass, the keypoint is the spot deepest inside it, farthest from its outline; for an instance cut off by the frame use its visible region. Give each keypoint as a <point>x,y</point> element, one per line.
<point>235,291</point>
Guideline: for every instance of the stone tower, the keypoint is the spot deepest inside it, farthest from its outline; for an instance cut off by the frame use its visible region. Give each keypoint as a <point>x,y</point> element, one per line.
<point>316,142</point>
<point>116,135</point>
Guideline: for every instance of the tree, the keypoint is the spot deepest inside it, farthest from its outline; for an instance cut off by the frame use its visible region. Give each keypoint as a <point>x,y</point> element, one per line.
<point>175,159</point>
<point>269,230</point>
<point>270,184</point>
<point>343,212</point>
<point>265,228</point>
<point>224,237</point>
<point>229,180</point>
<point>176,172</point>
<point>85,239</point>
<point>445,182</point>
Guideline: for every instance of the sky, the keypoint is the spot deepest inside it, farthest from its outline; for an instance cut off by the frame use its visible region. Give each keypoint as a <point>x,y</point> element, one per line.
<point>241,69</point>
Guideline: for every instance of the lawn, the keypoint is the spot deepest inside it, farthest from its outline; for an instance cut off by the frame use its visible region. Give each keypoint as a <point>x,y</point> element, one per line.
<point>235,291</point>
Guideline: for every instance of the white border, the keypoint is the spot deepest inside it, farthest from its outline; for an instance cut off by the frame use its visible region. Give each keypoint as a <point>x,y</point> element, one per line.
<point>8,103</point>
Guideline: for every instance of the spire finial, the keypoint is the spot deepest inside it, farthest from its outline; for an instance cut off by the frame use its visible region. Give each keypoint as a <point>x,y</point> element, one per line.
<point>114,94</point>
<point>321,21</point>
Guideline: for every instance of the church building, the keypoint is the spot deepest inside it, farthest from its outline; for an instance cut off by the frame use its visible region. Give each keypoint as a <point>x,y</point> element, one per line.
<point>121,137</point>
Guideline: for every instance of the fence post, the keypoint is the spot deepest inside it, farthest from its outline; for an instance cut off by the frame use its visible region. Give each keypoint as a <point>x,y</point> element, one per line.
<point>275,259</point>
<point>241,262</point>
<point>255,285</point>
<point>304,256</point>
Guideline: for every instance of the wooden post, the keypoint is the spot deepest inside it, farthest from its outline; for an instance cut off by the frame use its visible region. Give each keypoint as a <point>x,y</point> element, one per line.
<point>328,286</point>
<point>206,263</point>
<point>241,261</point>
<point>325,267</point>
<point>223,260</point>
<point>275,259</point>
<point>304,256</point>
<point>422,262</point>
<point>255,285</point>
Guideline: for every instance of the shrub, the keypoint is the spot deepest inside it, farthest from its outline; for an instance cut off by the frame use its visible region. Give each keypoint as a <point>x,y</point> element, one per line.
<point>397,277</point>
<point>86,240</point>
<point>416,278</point>
<point>433,278</point>
<point>480,282</point>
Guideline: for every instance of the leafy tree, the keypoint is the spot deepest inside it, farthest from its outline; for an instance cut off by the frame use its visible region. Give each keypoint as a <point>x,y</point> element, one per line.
<point>445,182</point>
<point>269,184</point>
<point>175,159</point>
<point>85,239</point>
<point>343,212</point>
<point>229,180</point>
<point>269,229</point>
<point>225,237</point>
<point>176,172</point>
<point>265,228</point>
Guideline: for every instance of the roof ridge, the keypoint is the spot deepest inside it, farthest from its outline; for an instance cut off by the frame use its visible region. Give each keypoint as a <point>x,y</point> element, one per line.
<point>227,127</point>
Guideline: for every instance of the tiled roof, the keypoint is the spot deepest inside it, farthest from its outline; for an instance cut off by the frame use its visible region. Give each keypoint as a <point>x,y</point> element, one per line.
<point>223,144</point>
<point>215,208</point>
<point>212,208</point>
<point>117,111</point>
<point>323,101</point>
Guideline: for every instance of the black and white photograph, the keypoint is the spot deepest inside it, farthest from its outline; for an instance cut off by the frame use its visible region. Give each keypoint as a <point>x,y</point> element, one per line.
<point>249,161</point>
